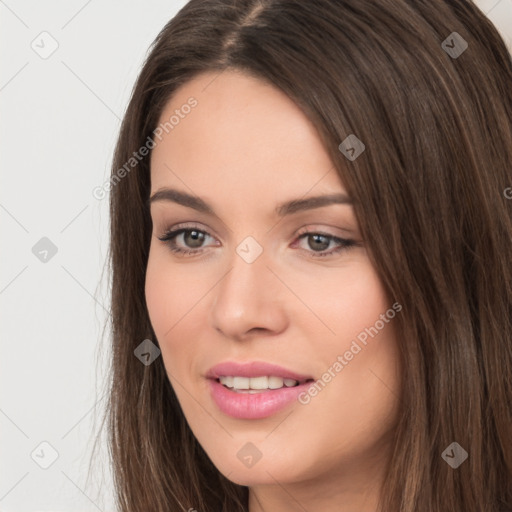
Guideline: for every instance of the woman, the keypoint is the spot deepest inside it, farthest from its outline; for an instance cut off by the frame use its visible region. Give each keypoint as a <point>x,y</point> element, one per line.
<point>310,243</point>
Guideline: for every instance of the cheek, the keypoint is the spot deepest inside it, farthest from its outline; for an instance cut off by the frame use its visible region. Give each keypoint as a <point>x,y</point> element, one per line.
<point>173,299</point>
<point>162,302</point>
<point>345,300</point>
<point>360,317</point>
<point>367,338</point>
<point>170,293</point>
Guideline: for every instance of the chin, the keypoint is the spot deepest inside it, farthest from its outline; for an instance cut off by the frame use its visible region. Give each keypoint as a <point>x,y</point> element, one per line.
<point>251,477</point>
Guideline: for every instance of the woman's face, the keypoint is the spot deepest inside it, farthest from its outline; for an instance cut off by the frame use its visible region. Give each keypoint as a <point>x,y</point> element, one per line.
<point>256,289</point>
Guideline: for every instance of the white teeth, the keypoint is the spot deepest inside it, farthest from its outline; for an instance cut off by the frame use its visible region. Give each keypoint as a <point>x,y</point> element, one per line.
<point>275,382</point>
<point>227,381</point>
<point>247,383</point>
<point>258,382</point>
<point>241,382</point>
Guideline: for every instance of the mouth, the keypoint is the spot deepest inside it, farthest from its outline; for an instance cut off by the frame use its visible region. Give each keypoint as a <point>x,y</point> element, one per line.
<point>255,389</point>
<point>253,404</point>
<point>255,371</point>
<point>261,384</point>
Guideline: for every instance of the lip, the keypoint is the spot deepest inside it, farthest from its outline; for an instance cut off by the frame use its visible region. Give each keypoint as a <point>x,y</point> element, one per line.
<point>254,405</point>
<point>253,369</point>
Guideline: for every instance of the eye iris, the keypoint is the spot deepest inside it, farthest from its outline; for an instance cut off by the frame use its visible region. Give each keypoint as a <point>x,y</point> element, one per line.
<point>197,237</point>
<point>324,244</point>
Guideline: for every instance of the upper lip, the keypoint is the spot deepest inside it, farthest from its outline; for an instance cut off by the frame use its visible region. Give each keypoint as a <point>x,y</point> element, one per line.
<point>253,369</point>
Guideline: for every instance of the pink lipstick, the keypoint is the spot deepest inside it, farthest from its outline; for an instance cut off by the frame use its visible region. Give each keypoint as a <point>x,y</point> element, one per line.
<point>254,390</point>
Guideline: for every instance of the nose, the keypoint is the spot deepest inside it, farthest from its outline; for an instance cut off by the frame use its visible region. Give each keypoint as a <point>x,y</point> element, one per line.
<point>249,299</point>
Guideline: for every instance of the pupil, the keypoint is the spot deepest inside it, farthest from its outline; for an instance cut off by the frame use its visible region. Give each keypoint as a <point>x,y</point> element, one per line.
<point>325,243</point>
<point>196,238</point>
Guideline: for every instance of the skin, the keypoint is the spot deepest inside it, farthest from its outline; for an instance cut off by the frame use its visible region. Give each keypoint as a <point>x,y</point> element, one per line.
<point>245,148</point>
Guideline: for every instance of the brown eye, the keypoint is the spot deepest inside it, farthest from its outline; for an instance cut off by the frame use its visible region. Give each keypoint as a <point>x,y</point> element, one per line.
<point>193,238</point>
<point>319,242</point>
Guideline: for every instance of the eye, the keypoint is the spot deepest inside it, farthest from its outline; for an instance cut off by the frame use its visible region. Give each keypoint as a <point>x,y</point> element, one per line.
<point>191,235</point>
<point>193,238</point>
<point>321,241</point>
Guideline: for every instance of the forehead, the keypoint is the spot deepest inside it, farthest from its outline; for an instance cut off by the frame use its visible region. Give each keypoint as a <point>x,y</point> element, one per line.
<point>243,137</point>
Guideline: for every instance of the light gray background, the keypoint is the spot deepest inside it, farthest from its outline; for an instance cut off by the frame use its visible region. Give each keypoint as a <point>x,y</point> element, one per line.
<point>60,116</point>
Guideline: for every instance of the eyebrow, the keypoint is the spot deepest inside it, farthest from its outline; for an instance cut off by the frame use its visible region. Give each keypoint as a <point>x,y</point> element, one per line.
<point>287,208</point>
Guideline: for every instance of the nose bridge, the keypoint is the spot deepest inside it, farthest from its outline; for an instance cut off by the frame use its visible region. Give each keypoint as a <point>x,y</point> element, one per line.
<point>247,278</point>
<point>247,296</point>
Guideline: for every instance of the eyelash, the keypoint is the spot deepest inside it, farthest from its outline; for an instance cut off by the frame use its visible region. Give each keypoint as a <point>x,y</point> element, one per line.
<point>169,236</point>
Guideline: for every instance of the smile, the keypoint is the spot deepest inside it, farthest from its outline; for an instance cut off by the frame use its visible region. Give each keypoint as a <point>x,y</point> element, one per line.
<point>254,403</point>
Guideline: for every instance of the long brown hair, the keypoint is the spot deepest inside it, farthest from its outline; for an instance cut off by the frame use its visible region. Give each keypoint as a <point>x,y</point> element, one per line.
<point>427,87</point>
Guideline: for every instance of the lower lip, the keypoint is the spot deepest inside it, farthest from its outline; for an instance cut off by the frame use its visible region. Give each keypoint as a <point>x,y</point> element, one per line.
<point>252,406</point>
